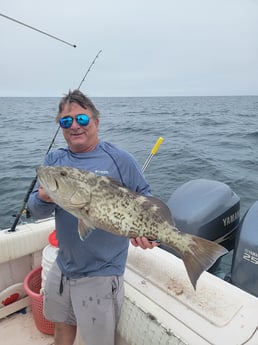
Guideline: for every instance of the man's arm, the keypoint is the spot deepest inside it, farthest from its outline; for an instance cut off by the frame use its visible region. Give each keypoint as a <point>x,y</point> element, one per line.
<point>39,204</point>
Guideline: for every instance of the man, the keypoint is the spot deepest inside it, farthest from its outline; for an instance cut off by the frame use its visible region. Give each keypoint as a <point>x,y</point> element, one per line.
<point>84,288</point>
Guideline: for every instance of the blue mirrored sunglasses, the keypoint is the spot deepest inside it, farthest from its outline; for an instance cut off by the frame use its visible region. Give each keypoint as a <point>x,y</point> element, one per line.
<point>81,119</point>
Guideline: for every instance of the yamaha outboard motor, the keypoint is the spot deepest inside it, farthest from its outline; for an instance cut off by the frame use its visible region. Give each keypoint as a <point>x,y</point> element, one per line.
<point>244,273</point>
<point>206,208</point>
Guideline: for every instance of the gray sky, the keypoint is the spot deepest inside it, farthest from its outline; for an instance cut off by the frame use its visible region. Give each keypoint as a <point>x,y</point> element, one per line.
<point>149,48</point>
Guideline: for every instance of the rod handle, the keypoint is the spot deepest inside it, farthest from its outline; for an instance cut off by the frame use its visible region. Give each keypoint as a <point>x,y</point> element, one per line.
<point>157,145</point>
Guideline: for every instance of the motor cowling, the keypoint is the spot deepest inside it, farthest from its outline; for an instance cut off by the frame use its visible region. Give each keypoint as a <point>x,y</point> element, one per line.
<point>244,272</point>
<point>206,208</point>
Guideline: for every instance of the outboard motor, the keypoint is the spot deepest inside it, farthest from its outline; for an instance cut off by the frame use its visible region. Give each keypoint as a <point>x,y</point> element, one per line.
<point>244,273</point>
<point>206,208</point>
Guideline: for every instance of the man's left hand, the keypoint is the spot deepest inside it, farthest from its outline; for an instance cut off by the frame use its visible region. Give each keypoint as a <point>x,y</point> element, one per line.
<point>143,242</point>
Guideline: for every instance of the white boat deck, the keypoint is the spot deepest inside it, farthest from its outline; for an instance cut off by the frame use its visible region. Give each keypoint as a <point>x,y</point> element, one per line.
<point>19,328</point>
<point>161,307</point>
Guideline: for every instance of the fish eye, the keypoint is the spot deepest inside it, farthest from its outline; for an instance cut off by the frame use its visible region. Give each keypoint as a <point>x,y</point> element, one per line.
<point>63,173</point>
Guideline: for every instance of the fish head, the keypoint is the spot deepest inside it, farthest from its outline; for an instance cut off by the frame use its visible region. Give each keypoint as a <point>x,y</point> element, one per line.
<point>65,186</point>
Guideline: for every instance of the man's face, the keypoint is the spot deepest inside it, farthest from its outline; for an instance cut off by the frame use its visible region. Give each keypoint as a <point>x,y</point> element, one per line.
<point>80,138</point>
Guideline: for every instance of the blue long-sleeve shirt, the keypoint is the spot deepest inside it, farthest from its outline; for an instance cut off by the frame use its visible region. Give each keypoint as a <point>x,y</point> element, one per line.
<point>102,253</point>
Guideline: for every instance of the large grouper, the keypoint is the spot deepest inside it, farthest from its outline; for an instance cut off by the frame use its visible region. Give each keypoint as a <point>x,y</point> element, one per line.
<point>101,202</point>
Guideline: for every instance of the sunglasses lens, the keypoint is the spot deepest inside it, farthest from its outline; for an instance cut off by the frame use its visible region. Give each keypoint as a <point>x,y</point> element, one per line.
<point>66,122</point>
<point>82,119</point>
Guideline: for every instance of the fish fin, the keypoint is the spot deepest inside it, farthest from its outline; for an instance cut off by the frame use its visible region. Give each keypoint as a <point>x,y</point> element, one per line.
<point>84,228</point>
<point>114,181</point>
<point>201,256</point>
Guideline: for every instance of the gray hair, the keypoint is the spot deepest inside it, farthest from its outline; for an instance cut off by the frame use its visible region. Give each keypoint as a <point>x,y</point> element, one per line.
<point>78,97</point>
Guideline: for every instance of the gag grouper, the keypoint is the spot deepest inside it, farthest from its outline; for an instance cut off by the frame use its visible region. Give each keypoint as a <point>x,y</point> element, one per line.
<point>101,202</point>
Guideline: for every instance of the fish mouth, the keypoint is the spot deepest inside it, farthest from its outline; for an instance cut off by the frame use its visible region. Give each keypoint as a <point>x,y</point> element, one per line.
<point>48,182</point>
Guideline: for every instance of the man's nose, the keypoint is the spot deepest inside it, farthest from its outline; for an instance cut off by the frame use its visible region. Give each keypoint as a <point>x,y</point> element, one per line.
<point>75,123</point>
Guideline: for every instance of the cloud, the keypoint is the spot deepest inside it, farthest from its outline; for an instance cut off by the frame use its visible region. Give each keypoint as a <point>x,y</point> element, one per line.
<point>150,48</point>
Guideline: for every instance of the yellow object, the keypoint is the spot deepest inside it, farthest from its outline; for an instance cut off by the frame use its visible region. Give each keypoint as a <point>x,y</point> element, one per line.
<point>157,145</point>
<point>153,152</point>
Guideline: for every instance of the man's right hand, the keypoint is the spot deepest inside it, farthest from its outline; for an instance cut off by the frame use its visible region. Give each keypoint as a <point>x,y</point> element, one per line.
<point>43,195</point>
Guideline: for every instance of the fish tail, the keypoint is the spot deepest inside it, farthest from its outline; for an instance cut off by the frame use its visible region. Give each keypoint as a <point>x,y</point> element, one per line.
<point>202,254</point>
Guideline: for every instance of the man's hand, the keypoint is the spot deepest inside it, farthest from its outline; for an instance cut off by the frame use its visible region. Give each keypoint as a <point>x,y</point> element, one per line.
<point>43,195</point>
<point>143,242</point>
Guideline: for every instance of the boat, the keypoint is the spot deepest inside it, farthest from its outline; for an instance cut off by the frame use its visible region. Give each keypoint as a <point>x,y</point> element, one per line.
<point>161,306</point>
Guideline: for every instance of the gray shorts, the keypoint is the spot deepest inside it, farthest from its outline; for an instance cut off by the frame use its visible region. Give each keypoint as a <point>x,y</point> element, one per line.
<point>91,303</point>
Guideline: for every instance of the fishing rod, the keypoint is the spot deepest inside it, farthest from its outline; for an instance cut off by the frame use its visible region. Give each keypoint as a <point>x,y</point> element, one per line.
<point>40,31</point>
<point>33,182</point>
<point>93,61</point>
<point>153,152</point>
<point>147,162</point>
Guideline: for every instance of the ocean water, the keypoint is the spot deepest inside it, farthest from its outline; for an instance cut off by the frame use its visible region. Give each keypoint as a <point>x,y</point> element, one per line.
<point>204,137</point>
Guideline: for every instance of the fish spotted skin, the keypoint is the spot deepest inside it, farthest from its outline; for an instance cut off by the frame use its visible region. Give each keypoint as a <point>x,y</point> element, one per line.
<point>101,202</point>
